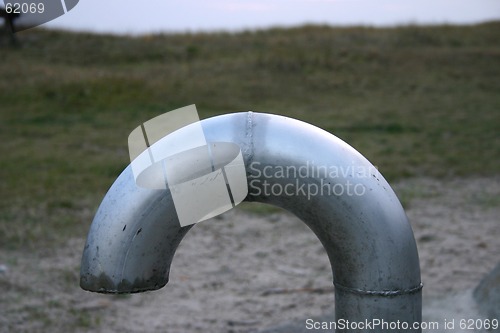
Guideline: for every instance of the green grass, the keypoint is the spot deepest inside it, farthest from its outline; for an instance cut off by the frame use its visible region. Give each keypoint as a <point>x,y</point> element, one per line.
<point>416,101</point>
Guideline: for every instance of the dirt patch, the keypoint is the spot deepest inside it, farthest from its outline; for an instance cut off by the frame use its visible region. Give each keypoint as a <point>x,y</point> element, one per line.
<point>243,273</point>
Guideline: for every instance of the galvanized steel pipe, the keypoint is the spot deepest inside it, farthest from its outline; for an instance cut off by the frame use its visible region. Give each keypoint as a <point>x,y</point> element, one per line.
<point>367,237</point>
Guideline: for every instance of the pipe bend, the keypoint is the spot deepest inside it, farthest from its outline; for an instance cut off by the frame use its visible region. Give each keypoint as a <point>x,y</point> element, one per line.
<point>337,192</point>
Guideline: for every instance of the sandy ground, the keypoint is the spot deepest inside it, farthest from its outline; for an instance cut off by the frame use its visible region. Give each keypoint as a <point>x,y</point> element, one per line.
<point>248,273</point>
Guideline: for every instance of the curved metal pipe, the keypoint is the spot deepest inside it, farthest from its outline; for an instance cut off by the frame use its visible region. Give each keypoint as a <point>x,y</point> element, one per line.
<point>366,234</point>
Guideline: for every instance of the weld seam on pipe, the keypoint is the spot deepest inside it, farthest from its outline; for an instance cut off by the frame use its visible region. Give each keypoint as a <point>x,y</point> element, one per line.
<point>249,136</point>
<point>383,293</point>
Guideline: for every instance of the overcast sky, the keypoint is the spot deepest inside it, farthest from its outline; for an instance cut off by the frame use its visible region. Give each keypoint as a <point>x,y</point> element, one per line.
<point>150,16</point>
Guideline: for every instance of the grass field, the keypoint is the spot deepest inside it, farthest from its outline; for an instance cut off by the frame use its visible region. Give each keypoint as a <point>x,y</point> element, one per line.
<point>416,101</point>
